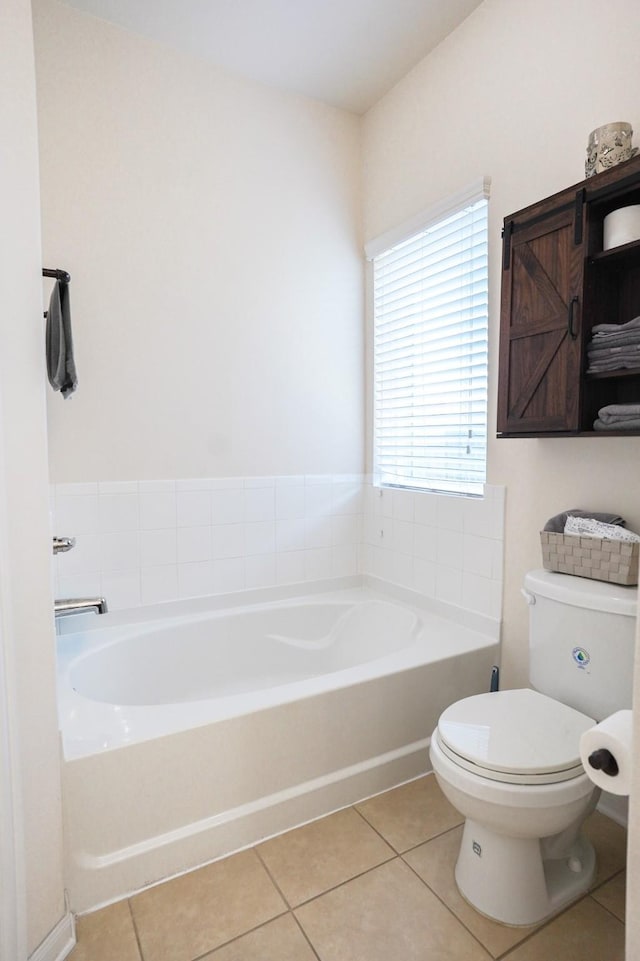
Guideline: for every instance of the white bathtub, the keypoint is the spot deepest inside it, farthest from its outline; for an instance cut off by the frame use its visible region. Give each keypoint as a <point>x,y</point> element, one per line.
<point>193,729</point>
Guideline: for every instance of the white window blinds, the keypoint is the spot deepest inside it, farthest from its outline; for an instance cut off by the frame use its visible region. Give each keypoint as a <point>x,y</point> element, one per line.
<point>430,353</point>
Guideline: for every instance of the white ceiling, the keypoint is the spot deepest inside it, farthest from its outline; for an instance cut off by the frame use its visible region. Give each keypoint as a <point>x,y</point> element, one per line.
<point>348,53</point>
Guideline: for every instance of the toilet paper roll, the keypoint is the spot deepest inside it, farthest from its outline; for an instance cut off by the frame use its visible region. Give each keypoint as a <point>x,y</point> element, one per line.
<point>611,739</point>
<point>621,226</point>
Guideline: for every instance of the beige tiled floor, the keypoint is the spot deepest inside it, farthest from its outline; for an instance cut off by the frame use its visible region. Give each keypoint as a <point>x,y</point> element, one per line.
<point>371,883</point>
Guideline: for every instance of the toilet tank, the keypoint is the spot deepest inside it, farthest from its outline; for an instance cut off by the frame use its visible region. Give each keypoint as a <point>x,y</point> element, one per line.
<point>581,641</point>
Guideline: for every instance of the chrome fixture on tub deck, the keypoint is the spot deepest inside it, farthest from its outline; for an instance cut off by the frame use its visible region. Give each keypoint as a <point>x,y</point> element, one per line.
<point>80,605</point>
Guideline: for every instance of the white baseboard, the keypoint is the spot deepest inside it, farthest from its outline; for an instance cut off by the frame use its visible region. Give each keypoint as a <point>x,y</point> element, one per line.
<point>59,943</point>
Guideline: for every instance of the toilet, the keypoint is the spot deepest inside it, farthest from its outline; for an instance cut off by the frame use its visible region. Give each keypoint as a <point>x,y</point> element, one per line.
<point>509,760</point>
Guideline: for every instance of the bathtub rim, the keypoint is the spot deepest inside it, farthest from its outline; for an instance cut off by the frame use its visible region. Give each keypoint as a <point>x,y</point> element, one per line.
<point>98,720</point>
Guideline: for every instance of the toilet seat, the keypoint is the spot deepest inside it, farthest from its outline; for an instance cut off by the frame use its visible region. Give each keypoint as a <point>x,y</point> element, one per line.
<point>515,737</point>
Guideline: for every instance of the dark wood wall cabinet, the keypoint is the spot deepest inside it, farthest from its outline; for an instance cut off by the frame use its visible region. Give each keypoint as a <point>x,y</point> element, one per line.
<point>558,283</point>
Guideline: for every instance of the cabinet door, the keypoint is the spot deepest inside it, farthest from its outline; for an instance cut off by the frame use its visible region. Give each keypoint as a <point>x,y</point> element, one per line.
<point>540,339</point>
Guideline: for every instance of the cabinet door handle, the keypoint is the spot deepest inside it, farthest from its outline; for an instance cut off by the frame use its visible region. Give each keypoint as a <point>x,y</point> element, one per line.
<point>570,317</point>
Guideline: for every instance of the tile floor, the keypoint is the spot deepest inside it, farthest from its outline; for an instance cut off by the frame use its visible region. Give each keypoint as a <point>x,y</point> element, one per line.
<point>373,882</point>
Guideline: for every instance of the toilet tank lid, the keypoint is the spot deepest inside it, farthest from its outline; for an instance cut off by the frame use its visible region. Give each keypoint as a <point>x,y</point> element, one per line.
<point>583,592</point>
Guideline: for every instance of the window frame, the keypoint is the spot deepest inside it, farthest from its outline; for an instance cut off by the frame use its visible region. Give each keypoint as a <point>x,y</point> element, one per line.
<point>411,229</point>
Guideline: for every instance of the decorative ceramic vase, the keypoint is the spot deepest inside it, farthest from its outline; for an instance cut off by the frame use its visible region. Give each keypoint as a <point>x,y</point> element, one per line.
<point>608,146</point>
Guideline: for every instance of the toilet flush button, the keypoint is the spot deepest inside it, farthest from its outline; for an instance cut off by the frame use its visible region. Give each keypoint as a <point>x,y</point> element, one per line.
<point>575,865</point>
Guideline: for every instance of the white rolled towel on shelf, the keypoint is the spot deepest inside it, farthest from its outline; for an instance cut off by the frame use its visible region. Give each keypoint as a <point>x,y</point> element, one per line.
<point>606,753</point>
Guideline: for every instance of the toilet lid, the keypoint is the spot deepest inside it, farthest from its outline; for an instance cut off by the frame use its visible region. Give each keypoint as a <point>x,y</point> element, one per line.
<point>514,736</point>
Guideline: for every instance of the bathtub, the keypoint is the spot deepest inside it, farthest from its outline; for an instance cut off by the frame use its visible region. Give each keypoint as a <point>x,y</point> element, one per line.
<point>192,729</point>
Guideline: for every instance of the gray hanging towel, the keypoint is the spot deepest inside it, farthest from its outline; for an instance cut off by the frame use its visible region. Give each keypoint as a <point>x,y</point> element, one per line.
<point>61,366</point>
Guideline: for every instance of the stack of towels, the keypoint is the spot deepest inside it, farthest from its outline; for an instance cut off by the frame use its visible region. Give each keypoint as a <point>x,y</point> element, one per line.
<point>614,346</point>
<point>618,417</point>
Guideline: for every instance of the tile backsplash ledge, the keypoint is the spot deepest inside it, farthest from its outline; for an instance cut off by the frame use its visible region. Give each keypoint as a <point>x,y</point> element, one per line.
<point>140,542</point>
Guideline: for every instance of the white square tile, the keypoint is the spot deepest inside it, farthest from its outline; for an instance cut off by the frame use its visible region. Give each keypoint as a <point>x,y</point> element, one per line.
<point>449,585</point>
<point>253,482</point>
<point>312,480</point>
<point>479,516</point>
<point>259,504</point>
<point>118,487</point>
<point>449,549</point>
<point>478,555</point>
<point>83,558</point>
<point>317,532</point>
<point>157,510</point>
<point>290,535</point>
<point>158,547</point>
<point>372,531</point>
<point>194,508</point>
<point>425,542</point>
<point>194,484</point>
<point>156,486</point>
<point>194,544</point>
<point>260,538</point>
<point>290,480</point>
<point>226,483</point>
<point>227,506</point>
<point>385,501</point>
<point>76,489</point>
<point>318,500</point>
<point>79,585</point>
<point>195,579</point>
<point>424,577</point>
<point>402,505</point>
<point>346,498</point>
<point>345,529</point>
<point>158,584</point>
<point>290,567</point>
<point>118,512</point>
<point>450,512</point>
<point>289,502</point>
<point>260,570</point>
<point>481,594</point>
<point>120,552</point>
<point>425,508</point>
<point>402,569</point>
<point>402,538</point>
<point>497,560</point>
<point>317,564</point>
<point>121,588</point>
<point>75,515</point>
<point>228,575</point>
<point>344,560</point>
<point>227,540</point>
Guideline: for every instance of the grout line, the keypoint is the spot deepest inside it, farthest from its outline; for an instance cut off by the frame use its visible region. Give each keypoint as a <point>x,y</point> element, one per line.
<point>135,929</point>
<point>450,910</point>
<point>608,910</point>
<point>271,877</point>
<point>305,935</point>
<point>210,953</point>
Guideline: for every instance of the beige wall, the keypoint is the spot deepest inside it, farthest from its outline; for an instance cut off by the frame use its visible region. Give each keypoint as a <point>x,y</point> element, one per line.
<point>513,94</point>
<point>211,226</point>
<point>26,588</point>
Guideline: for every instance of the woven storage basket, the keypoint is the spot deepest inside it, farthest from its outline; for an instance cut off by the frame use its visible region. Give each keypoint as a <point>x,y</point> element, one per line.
<point>601,560</point>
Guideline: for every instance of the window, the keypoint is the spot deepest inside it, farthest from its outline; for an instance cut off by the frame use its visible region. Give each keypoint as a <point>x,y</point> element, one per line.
<point>430,349</point>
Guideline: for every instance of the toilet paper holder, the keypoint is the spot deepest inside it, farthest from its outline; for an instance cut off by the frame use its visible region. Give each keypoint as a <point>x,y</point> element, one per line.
<point>603,760</point>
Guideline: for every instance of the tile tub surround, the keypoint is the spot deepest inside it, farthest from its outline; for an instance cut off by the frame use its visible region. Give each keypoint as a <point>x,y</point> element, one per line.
<point>445,547</point>
<point>351,887</point>
<point>142,542</point>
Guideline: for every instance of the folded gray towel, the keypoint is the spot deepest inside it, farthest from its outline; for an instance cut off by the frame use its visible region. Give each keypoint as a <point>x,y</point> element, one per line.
<point>61,367</point>
<point>617,412</point>
<point>556,523</point>
<point>616,328</point>
<point>601,341</point>
<point>623,362</point>
<point>617,424</point>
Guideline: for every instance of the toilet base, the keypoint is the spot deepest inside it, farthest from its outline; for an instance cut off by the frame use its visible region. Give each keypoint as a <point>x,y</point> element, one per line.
<point>507,879</point>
